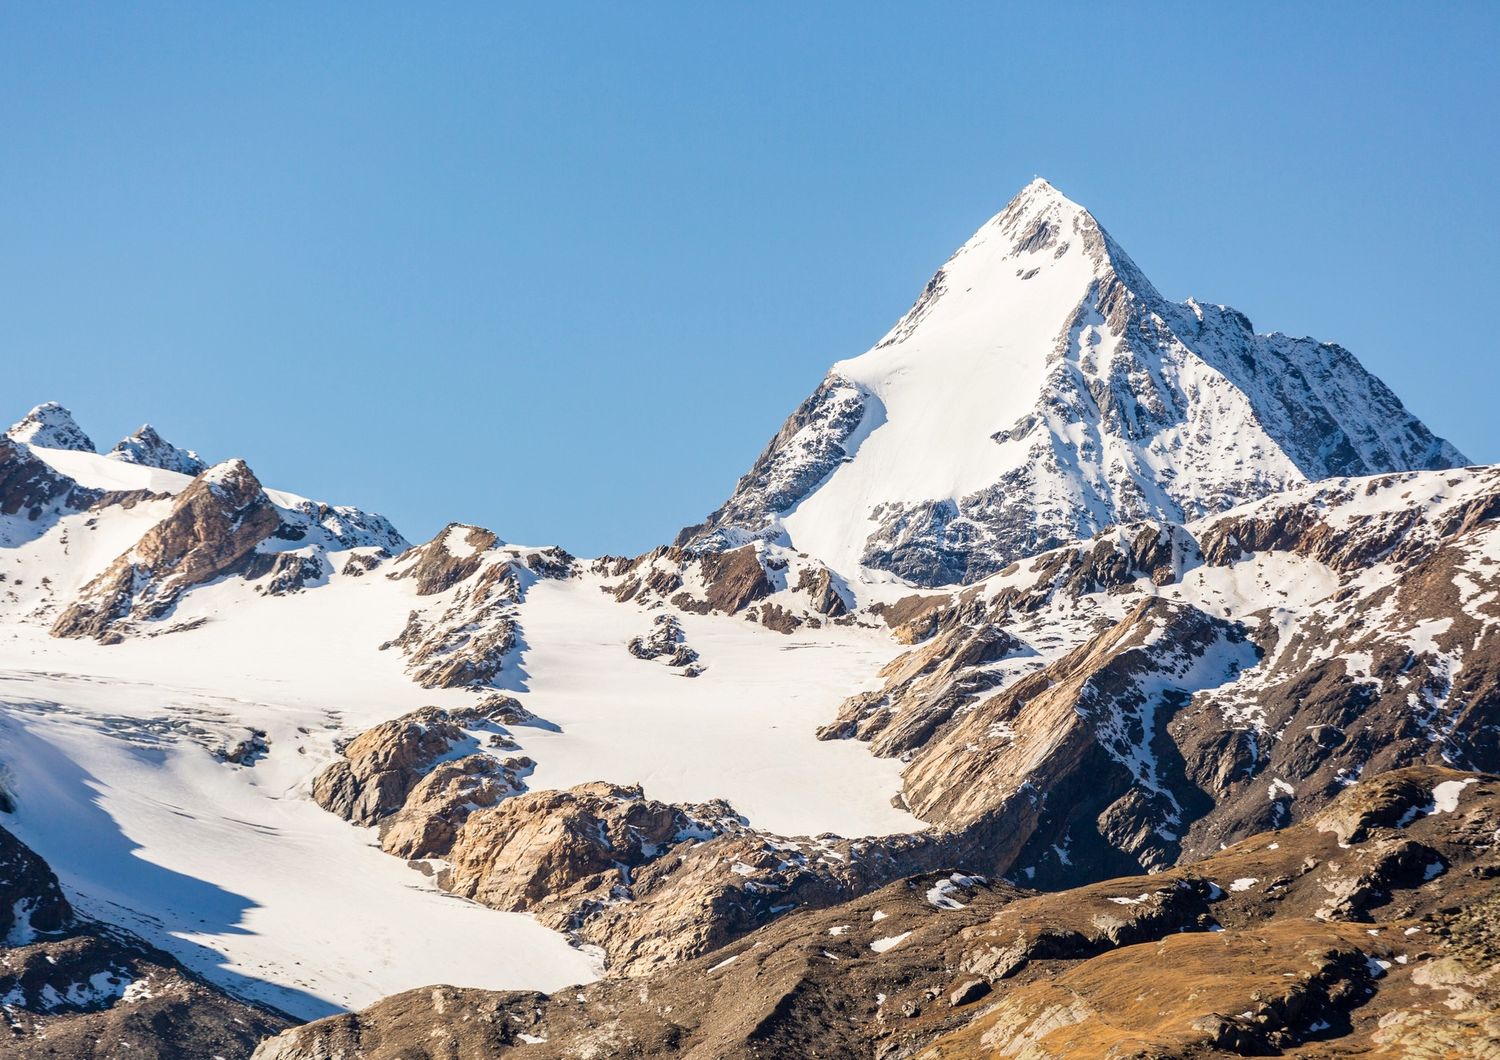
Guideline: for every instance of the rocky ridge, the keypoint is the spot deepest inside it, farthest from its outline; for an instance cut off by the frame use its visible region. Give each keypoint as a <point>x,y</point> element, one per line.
<point>465,636</point>
<point>648,883</point>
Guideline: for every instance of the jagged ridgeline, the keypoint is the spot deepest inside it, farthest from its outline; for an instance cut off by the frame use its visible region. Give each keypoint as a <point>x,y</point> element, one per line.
<point>1076,673</point>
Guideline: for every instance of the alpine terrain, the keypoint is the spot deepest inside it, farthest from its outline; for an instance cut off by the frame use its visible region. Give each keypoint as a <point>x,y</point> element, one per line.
<point>1075,673</point>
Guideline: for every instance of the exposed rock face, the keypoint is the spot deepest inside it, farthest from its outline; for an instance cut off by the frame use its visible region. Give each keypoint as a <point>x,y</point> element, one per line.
<point>1248,952</point>
<point>1086,712</point>
<point>550,849</point>
<point>924,689</point>
<point>1074,397</point>
<point>381,766</point>
<point>464,639</point>
<point>150,449</point>
<point>30,488</point>
<point>809,446</point>
<point>428,822</point>
<point>50,426</point>
<point>213,529</point>
<point>31,901</point>
<point>75,988</point>
<point>1083,736</point>
<point>667,643</point>
<point>780,589</point>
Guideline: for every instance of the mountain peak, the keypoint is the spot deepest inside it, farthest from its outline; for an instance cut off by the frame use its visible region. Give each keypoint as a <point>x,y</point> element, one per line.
<point>149,449</point>
<point>1040,390</point>
<point>1042,190</point>
<point>51,426</point>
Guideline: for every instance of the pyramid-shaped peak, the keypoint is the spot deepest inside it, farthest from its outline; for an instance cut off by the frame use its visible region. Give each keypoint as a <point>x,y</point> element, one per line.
<point>148,448</point>
<point>1042,189</point>
<point>51,426</point>
<point>1040,217</point>
<point>1042,197</point>
<point>1040,390</point>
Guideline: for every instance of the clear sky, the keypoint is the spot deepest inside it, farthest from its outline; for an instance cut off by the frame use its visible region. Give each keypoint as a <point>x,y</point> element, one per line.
<point>562,269</point>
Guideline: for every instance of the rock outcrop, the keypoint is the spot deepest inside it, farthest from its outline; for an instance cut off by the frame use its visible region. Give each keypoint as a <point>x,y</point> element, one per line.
<point>213,529</point>
<point>465,638</point>
<point>668,643</point>
<point>378,770</point>
<point>780,589</point>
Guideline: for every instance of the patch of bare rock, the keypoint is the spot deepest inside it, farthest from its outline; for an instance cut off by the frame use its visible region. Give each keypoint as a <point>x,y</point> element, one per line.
<point>666,642</point>
<point>776,587</point>
<point>464,637</point>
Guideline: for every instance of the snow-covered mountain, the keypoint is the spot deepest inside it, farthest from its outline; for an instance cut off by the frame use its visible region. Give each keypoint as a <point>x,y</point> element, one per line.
<point>1040,390</point>
<point>317,765</point>
<point>51,426</point>
<point>148,447</point>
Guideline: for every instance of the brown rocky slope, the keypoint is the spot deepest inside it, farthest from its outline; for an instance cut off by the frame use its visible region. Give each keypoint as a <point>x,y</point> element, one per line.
<point>1368,929</point>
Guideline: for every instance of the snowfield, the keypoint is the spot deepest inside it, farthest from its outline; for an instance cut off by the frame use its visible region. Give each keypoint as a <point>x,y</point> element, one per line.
<point>742,731</point>
<point>108,753</point>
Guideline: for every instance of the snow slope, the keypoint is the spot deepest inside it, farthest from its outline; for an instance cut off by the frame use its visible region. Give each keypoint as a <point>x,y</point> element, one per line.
<point>109,754</point>
<point>1040,390</point>
<point>742,731</point>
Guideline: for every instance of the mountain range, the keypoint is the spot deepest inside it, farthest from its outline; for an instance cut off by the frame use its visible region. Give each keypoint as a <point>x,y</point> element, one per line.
<point>1068,638</point>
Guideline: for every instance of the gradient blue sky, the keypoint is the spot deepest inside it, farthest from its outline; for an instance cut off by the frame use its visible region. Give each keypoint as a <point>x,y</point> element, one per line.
<point>562,269</point>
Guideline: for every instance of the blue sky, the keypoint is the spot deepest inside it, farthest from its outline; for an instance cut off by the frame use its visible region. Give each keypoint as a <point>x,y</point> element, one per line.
<point>562,269</point>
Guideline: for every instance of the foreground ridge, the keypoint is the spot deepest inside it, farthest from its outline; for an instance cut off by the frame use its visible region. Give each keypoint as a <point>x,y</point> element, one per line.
<point>1368,927</point>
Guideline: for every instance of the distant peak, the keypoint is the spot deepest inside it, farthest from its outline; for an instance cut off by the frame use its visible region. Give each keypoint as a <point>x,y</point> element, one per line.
<point>51,426</point>
<point>148,448</point>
